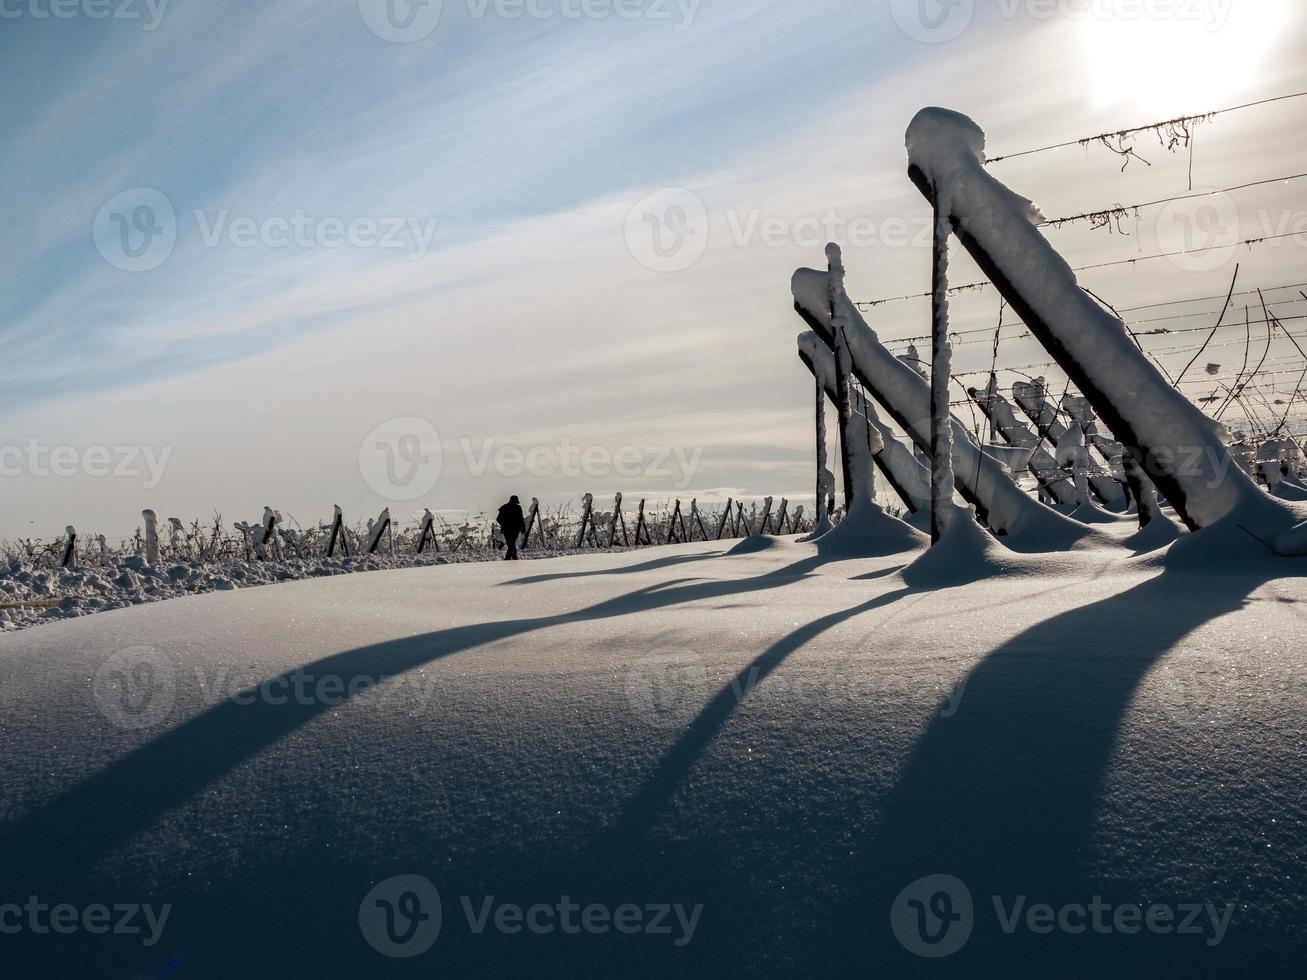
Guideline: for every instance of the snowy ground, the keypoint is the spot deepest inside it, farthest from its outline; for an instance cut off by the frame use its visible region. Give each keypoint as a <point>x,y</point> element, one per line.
<point>782,742</point>
<point>35,596</point>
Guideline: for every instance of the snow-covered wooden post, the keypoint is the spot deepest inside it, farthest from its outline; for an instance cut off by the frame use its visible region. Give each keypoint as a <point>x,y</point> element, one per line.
<point>378,531</point>
<point>427,532</point>
<point>742,521</point>
<point>337,534</point>
<point>941,413</point>
<point>618,518</point>
<point>587,522</point>
<point>642,528</point>
<point>843,365</point>
<point>532,517</point>
<point>1181,449</point>
<point>797,523</point>
<point>782,515</point>
<point>1003,418</point>
<point>1142,489</point>
<point>726,516</point>
<point>70,547</point>
<point>151,536</point>
<point>905,473</point>
<point>1032,396</point>
<point>697,519</point>
<point>1071,453</point>
<point>764,523</point>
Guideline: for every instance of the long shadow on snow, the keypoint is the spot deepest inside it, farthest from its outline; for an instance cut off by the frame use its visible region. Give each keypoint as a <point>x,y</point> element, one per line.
<point>57,844</point>
<point>1003,794</point>
<point>648,566</point>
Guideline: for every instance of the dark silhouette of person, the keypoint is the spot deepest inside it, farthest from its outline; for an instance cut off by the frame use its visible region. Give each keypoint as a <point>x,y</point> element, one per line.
<point>512,522</point>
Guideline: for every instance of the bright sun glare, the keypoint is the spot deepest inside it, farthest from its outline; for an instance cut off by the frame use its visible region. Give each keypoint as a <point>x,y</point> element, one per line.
<point>1187,55</point>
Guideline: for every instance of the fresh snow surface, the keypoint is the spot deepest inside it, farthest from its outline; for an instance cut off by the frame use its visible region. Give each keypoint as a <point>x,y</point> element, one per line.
<point>782,741</point>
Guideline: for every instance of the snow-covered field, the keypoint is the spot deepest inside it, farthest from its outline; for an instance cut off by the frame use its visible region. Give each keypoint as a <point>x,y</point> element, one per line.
<point>681,763</point>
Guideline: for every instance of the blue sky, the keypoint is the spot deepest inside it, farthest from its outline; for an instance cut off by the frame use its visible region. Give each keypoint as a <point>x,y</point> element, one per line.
<point>519,146</point>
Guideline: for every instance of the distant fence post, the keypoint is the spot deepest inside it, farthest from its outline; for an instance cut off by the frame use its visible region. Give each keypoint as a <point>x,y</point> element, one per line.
<point>726,516</point>
<point>531,518</point>
<point>618,516</point>
<point>642,529</point>
<point>338,534</point>
<point>697,518</point>
<point>587,518</point>
<point>151,536</point>
<point>70,549</point>
<point>378,531</point>
<point>742,521</point>
<point>428,532</point>
<point>672,536</point>
<point>780,518</point>
<point>764,525</point>
<point>797,522</point>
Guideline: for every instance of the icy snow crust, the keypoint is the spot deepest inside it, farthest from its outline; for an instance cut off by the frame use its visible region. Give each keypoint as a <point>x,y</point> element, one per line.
<point>787,740</point>
<point>1128,393</point>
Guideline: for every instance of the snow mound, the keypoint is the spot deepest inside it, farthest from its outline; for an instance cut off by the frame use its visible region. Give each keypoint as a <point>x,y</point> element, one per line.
<point>964,553</point>
<point>869,532</point>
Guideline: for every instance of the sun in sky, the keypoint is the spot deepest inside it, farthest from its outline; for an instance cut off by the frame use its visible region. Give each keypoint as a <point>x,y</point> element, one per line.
<point>1160,56</point>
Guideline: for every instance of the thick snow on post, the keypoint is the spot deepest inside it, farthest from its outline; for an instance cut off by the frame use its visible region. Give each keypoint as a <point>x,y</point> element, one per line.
<point>1033,399</point>
<point>844,367</point>
<point>151,536</point>
<point>904,472</point>
<point>1181,449</point>
<point>941,377</point>
<point>820,418</point>
<point>1071,452</point>
<point>1026,524</point>
<point>1016,433</point>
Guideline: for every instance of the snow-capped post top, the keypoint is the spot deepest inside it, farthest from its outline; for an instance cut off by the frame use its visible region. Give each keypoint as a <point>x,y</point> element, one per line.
<point>835,260</point>
<point>939,141</point>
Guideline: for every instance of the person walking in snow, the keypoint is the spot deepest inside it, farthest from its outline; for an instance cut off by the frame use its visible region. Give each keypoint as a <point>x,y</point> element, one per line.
<point>512,522</point>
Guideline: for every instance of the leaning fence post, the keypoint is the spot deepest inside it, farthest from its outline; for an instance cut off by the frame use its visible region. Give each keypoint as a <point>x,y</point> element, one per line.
<point>780,518</point>
<point>337,527</point>
<point>641,528</point>
<point>764,524</point>
<point>742,521</point>
<point>612,526</point>
<point>531,519</point>
<point>70,549</point>
<point>378,531</point>
<point>151,536</point>
<point>726,516</point>
<point>697,519</point>
<point>587,508</point>
<point>672,536</point>
<point>428,532</point>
